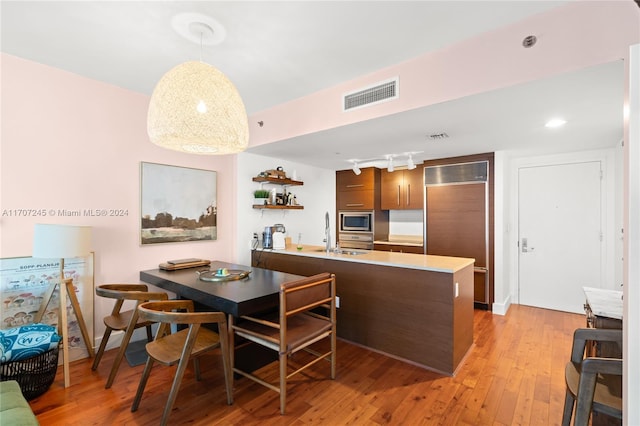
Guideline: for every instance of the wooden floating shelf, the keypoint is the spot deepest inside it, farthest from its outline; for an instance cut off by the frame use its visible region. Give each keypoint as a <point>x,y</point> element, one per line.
<point>277,181</point>
<point>272,207</point>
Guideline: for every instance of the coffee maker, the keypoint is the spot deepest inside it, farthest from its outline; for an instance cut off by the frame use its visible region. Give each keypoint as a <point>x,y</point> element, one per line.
<point>267,238</point>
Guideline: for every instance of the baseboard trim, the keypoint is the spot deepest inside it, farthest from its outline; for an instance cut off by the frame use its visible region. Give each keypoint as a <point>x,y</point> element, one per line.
<point>115,340</point>
<point>502,308</point>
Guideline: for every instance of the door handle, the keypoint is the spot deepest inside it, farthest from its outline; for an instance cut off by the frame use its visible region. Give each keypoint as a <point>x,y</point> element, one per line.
<point>525,246</point>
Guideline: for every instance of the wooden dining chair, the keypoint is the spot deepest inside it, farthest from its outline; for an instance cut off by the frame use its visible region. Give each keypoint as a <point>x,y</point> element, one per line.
<point>593,383</point>
<point>178,348</point>
<point>123,320</point>
<point>307,314</point>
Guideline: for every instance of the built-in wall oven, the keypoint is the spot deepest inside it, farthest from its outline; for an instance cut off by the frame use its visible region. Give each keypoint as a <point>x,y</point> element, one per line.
<point>355,229</point>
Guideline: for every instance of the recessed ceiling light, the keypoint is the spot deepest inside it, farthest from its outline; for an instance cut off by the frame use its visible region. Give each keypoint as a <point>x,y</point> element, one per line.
<point>555,122</point>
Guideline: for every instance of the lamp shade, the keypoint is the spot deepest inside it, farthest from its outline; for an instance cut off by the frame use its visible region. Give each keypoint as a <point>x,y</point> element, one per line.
<point>61,241</point>
<point>196,109</point>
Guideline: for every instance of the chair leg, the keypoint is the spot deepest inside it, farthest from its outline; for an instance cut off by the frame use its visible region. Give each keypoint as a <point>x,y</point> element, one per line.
<point>333,354</point>
<point>568,409</point>
<point>283,382</point>
<point>120,355</point>
<point>149,334</point>
<point>103,346</point>
<point>182,366</point>
<point>142,384</point>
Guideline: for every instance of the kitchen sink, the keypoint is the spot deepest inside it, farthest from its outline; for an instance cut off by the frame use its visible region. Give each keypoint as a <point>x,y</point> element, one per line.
<point>351,252</point>
<point>343,251</point>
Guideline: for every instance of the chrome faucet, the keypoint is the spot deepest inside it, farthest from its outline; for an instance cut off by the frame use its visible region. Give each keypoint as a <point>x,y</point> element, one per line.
<point>327,233</point>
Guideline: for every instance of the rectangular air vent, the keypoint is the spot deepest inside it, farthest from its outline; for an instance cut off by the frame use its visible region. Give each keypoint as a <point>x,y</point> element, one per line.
<point>438,136</point>
<point>377,93</point>
<point>456,173</point>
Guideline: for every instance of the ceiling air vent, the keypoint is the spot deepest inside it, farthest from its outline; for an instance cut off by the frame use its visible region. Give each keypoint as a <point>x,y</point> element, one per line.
<point>438,136</point>
<point>377,93</point>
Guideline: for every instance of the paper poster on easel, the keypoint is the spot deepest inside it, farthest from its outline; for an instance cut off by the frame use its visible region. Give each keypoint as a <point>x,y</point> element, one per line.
<point>23,284</point>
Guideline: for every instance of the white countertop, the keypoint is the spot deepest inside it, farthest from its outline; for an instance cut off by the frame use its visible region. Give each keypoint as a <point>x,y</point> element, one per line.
<point>604,303</point>
<point>386,258</point>
<point>402,240</point>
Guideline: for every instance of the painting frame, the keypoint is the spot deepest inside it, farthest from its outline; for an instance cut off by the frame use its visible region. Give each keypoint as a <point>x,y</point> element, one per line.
<point>177,204</point>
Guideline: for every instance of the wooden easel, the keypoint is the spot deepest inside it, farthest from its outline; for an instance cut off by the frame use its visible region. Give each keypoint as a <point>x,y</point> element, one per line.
<point>63,325</point>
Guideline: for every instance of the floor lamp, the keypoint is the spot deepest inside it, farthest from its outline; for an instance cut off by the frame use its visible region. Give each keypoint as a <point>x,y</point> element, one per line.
<point>63,241</point>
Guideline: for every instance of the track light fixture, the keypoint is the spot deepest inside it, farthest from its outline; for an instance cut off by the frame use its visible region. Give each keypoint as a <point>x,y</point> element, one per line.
<point>388,161</point>
<point>410,164</point>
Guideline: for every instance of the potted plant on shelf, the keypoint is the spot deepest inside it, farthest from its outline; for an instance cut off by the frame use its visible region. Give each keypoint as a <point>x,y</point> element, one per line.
<point>260,196</point>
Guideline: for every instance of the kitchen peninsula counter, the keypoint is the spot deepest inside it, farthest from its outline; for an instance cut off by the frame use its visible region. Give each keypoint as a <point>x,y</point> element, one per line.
<point>385,258</point>
<point>412,307</point>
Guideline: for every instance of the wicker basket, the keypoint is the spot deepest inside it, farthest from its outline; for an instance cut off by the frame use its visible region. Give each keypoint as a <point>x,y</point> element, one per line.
<point>35,375</point>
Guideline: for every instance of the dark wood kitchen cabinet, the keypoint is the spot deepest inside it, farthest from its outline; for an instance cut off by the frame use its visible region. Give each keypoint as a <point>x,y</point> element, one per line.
<point>358,192</point>
<point>408,313</point>
<point>402,189</point>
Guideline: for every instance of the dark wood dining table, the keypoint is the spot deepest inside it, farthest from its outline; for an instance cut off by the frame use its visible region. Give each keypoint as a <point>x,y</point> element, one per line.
<point>256,293</point>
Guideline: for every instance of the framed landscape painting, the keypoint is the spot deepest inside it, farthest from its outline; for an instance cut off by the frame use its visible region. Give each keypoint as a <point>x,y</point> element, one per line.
<point>177,204</point>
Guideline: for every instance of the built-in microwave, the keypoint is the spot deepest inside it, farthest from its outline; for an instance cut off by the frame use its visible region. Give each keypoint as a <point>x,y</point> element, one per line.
<point>356,221</point>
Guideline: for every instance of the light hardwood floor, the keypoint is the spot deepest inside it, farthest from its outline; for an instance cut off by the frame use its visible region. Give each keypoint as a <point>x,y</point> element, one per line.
<point>513,375</point>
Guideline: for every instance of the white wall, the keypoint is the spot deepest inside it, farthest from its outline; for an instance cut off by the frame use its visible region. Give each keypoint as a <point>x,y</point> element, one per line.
<point>406,222</point>
<point>631,290</point>
<point>502,234</point>
<point>72,143</point>
<point>317,195</point>
<point>618,235</point>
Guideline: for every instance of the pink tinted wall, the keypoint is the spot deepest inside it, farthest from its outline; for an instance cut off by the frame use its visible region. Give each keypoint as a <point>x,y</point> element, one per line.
<point>70,143</point>
<point>571,37</point>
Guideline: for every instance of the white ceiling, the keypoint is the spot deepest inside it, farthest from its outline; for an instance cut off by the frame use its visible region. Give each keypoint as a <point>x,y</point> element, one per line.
<point>278,51</point>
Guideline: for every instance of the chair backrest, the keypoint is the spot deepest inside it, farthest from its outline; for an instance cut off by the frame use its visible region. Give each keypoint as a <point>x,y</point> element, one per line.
<point>306,294</point>
<point>582,335</point>
<point>122,292</point>
<point>167,312</point>
<point>129,292</point>
<point>178,312</point>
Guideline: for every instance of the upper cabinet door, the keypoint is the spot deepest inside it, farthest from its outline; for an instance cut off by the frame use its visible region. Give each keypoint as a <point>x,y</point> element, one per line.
<point>358,192</point>
<point>402,190</point>
<point>414,185</point>
<point>346,180</point>
<point>391,194</point>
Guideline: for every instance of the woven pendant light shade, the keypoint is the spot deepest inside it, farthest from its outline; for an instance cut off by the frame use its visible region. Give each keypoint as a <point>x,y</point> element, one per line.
<point>196,109</point>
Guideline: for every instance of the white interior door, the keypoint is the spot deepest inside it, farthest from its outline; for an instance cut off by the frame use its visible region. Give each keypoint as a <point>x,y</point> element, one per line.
<point>560,234</point>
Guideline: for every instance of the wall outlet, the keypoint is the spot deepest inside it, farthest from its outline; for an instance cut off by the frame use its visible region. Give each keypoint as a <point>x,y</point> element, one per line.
<point>337,301</point>
<point>457,290</point>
